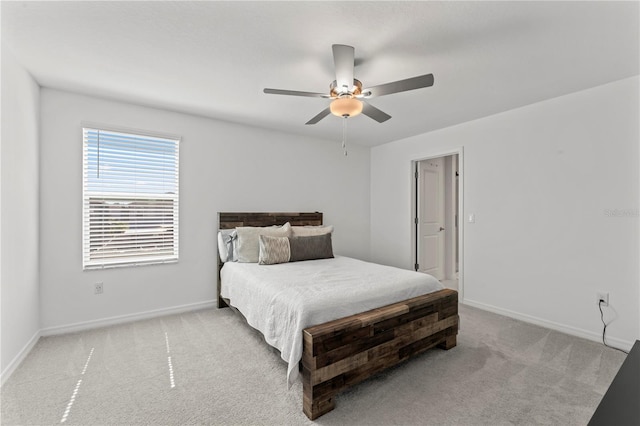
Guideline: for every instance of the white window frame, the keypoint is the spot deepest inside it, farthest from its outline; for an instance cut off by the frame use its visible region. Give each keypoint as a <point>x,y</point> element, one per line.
<point>142,198</point>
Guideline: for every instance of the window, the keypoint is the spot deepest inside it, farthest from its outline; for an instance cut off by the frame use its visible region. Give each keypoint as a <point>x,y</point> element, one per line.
<point>130,199</point>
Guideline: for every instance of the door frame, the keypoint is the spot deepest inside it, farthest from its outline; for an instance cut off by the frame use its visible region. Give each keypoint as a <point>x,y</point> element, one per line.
<point>461,222</point>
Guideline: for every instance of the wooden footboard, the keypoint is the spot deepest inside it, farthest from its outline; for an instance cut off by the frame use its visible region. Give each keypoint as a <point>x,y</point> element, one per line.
<point>341,353</point>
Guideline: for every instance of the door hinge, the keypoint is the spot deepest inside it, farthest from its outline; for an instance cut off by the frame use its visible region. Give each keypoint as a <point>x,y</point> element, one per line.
<point>416,266</point>
<point>415,220</point>
<point>417,174</point>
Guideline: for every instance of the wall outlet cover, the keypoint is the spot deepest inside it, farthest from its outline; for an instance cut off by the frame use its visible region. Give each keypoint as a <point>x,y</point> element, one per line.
<point>604,296</point>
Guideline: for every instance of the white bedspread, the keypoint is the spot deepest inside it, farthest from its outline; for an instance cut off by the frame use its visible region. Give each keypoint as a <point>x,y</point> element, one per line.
<point>282,300</point>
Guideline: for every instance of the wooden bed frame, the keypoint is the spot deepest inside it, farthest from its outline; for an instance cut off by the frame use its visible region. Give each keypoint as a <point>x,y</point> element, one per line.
<point>340,353</point>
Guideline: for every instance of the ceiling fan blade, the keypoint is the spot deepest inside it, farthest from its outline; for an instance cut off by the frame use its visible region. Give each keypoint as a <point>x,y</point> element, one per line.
<point>400,86</point>
<point>373,112</point>
<point>295,93</point>
<point>343,61</point>
<point>320,116</point>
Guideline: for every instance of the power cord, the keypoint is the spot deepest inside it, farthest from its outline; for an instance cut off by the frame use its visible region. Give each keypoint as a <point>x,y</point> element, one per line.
<point>604,329</point>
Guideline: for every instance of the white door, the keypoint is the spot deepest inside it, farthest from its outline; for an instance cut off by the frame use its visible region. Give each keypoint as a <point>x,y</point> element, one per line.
<point>431,217</point>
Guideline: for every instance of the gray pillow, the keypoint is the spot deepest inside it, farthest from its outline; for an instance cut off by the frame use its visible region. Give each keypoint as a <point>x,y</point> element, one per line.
<point>309,248</point>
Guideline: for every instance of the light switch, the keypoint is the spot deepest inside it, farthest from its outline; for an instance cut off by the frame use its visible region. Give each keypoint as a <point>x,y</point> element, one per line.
<point>471,218</point>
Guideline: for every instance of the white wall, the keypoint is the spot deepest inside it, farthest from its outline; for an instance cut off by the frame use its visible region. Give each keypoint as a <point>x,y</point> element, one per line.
<point>19,217</point>
<point>540,180</point>
<point>223,167</point>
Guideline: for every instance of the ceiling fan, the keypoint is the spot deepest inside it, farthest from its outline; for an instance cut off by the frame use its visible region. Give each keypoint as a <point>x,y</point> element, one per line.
<point>348,98</point>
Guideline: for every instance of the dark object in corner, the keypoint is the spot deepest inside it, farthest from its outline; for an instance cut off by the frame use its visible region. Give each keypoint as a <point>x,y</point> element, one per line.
<point>620,405</point>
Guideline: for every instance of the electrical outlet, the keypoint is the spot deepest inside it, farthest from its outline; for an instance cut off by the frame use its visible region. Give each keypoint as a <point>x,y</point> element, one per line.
<point>98,288</point>
<point>604,297</point>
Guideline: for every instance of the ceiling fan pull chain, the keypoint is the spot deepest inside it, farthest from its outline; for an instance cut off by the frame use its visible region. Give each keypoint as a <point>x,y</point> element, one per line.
<point>344,135</point>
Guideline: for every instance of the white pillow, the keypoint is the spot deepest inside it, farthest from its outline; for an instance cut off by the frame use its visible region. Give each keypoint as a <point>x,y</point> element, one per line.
<point>310,231</point>
<point>226,246</point>
<point>248,243</point>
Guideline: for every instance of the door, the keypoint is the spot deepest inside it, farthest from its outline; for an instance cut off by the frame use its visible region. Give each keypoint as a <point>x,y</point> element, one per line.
<point>431,196</point>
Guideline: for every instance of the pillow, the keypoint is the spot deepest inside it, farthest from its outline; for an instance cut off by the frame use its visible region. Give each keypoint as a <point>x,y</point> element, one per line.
<point>309,248</point>
<point>307,231</point>
<point>248,245</point>
<point>226,246</point>
<point>274,250</point>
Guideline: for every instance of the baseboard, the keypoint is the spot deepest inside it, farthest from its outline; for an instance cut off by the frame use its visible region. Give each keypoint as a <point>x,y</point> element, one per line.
<point>17,360</point>
<point>578,332</point>
<point>104,322</point>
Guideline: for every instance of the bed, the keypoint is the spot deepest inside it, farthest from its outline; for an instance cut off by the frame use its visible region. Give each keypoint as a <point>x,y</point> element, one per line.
<point>332,348</point>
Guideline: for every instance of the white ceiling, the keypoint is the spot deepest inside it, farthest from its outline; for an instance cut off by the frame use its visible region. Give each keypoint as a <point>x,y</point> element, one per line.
<point>214,58</point>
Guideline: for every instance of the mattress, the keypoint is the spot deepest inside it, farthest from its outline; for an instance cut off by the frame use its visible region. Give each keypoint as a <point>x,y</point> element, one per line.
<point>282,300</point>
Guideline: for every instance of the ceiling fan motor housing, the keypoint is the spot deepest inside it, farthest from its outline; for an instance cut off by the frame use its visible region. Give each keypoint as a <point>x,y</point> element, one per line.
<point>355,90</point>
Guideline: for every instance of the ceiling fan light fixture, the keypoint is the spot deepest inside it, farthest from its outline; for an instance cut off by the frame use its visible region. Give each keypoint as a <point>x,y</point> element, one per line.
<point>346,107</point>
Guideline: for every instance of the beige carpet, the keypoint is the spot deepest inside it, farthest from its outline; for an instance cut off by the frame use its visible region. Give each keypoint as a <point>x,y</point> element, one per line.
<point>502,372</point>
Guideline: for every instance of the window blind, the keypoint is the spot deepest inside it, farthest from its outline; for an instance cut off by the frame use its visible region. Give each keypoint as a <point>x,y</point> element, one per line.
<point>130,199</point>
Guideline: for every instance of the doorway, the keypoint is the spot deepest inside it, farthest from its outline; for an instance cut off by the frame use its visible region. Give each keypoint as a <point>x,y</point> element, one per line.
<point>438,207</point>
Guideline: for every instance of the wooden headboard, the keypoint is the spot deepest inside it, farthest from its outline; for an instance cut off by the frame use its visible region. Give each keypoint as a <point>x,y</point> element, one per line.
<point>232,220</point>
